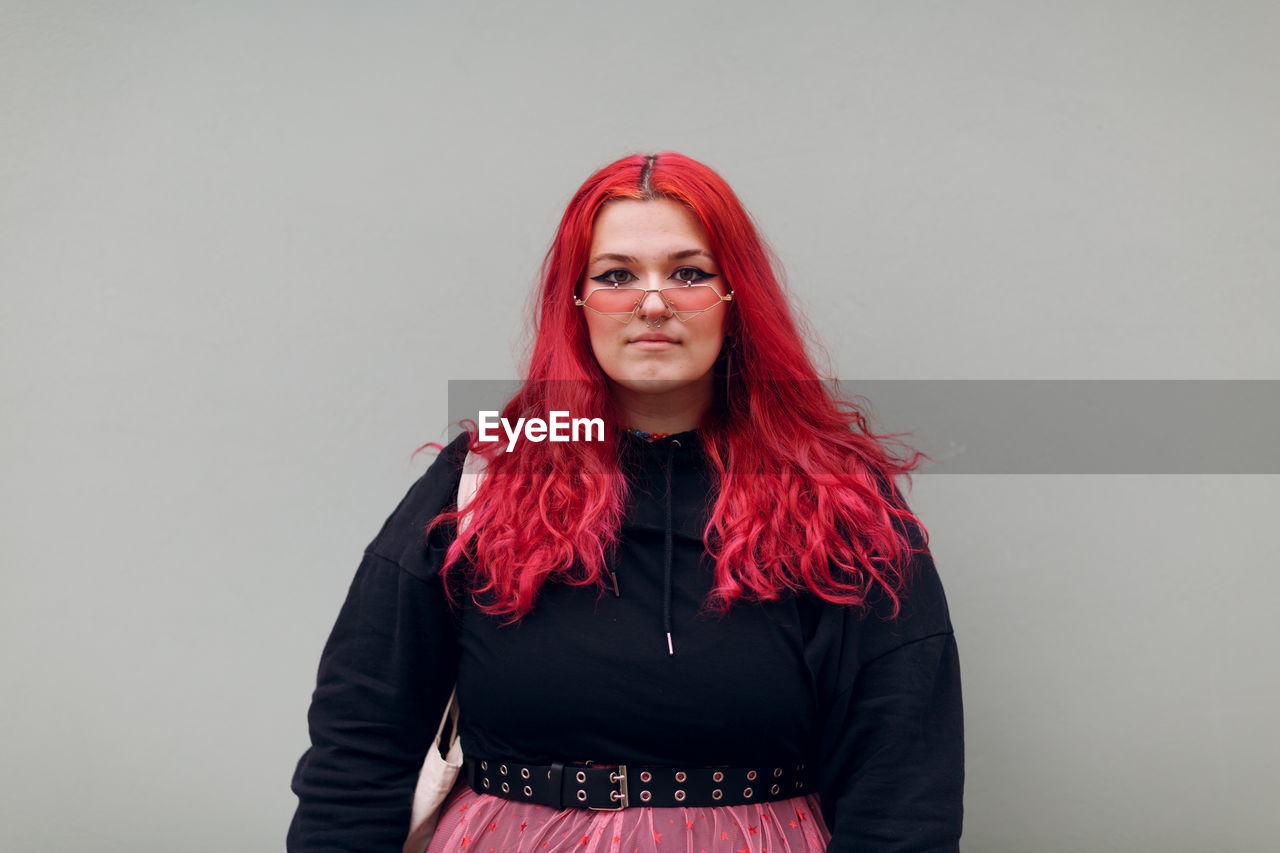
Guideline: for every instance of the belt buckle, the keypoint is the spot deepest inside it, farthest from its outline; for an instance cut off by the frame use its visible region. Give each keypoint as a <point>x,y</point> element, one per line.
<point>620,795</point>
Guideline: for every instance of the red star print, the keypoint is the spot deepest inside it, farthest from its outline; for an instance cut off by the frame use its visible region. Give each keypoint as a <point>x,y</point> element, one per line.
<point>586,839</point>
<point>523,824</point>
<point>794,824</point>
<point>688,824</point>
<point>745,848</point>
<point>724,836</point>
<point>492,827</point>
<point>466,841</point>
<point>800,815</point>
<point>752,830</point>
<point>657,838</point>
<point>617,838</point>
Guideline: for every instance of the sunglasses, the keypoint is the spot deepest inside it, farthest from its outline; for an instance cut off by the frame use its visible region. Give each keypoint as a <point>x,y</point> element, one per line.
<point>684,301</point>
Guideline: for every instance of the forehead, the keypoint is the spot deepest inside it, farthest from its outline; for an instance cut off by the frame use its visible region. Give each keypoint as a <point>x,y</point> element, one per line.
<point>632,227</point>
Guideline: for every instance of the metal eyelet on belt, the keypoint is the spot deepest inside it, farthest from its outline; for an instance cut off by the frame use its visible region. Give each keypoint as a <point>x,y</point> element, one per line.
<point>646,776</point>
<point>486,784</point>
<point>717,776</point>
<point>751,775</point>
<point>528,792</point>
<point>582,776</point>
<point>615,777</point>
<point>777,772</point>
<point>645,796</point>
<point>681,776</point>
<point>524,772</point>
<point>775,789</point>
<point>484,765</point>
<point>506,789</point>
<point>679,796</point>
<point>747,793</point>
<point>502,768</point>
<point>717,794</point>
<point>582,796</point>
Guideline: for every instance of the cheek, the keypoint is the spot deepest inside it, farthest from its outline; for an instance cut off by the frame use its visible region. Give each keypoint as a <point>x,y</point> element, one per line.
<point>711,353</point>
<point>710,343</point>
<point>603,338</point>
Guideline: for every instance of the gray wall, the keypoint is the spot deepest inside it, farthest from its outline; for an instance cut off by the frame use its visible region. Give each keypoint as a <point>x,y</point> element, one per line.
<point>243,246</point>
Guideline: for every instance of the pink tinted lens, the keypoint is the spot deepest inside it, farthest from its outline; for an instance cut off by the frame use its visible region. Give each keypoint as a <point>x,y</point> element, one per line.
<point>623,300</point>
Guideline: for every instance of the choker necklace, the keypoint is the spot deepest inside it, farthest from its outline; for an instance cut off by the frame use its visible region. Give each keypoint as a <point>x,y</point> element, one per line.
<point>647,436</point>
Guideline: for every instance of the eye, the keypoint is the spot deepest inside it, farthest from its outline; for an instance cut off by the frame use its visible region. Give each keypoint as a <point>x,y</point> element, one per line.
<point>615,277</point>
<point>692,275</point>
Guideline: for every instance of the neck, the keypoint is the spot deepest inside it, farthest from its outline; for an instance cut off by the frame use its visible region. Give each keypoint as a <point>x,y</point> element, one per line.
<point>671,411</point>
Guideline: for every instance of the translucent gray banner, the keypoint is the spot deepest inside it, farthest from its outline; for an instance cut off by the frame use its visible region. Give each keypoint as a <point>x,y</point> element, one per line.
<point>979,426</point>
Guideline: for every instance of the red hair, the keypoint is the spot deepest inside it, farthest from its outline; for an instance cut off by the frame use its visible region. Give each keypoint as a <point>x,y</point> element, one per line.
<point>806,497</point>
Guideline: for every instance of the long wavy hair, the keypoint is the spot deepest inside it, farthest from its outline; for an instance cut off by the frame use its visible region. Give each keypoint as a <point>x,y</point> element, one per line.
<point>805,495</point>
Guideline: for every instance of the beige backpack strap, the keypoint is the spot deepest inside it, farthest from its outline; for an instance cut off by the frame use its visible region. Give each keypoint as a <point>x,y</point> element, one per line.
<point>441,767</point>
<point>472,471</point>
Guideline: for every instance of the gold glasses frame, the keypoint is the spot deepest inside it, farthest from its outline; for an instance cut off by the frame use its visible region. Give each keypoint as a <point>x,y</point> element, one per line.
<point>643,294</point>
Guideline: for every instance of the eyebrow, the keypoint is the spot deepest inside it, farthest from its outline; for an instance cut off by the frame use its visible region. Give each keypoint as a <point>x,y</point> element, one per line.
<point>674,256</point>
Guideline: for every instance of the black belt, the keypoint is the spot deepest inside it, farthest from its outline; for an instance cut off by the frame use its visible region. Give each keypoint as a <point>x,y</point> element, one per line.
<point>589,786</point>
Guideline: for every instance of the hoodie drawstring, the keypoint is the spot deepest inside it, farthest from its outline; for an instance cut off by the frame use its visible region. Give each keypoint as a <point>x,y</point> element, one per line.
<point>666,549</point>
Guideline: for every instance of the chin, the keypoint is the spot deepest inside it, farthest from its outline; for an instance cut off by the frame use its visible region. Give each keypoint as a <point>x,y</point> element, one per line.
<point>652,384</point>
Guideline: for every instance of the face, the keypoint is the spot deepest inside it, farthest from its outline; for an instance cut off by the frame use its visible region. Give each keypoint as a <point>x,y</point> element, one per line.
<point>650,245</point>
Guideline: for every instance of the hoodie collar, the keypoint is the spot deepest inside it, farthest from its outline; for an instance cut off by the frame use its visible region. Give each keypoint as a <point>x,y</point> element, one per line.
<point>645,458</point>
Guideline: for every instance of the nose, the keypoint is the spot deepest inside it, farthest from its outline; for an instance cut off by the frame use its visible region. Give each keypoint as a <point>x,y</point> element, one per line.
<point>651,305</point>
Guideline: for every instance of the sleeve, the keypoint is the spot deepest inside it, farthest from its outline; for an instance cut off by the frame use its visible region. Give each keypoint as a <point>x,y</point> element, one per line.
<point>385,676</point>
<point>891,778</point>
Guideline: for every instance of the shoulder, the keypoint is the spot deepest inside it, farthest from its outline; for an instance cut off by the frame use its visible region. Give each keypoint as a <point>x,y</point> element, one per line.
<point>921,602</point>
<point>924,611</point>
<point>845,638</point>
<point>403,538</point>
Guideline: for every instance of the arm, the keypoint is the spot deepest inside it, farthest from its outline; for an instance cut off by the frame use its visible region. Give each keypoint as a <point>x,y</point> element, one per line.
<point>895,761</point>
<point>384,678</point>
<point>892,744</point>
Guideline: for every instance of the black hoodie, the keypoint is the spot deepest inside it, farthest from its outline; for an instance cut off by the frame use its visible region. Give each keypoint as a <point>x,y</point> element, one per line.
<point>646,677</point>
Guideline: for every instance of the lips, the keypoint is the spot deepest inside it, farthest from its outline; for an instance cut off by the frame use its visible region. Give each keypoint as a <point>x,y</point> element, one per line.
<point>653,336</point>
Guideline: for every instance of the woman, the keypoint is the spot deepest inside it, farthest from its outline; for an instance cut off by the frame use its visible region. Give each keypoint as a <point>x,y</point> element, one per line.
<point>716,628</point>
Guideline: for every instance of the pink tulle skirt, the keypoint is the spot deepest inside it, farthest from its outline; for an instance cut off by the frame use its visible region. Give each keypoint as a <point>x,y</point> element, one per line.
<point>480,823</point>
